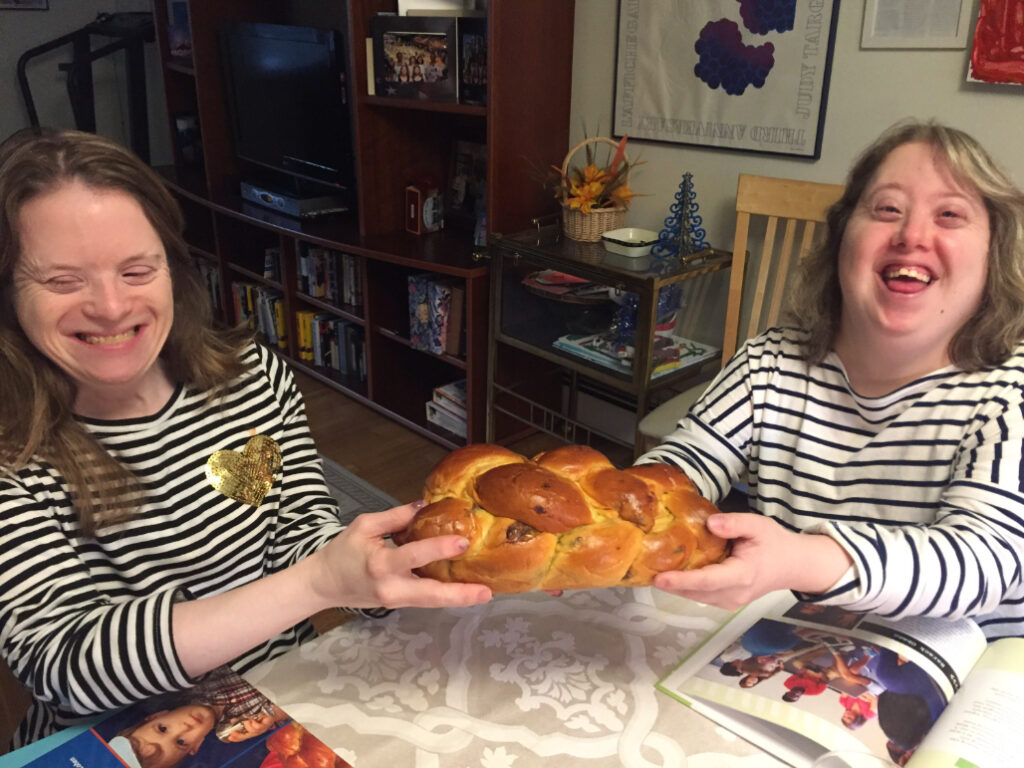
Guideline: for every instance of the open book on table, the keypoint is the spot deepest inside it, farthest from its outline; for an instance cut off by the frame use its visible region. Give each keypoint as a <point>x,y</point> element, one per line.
<point>799,679</point>
<point>222,721</point>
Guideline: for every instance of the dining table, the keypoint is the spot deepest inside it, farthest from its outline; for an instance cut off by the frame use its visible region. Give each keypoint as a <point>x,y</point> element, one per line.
<point>524,680</point>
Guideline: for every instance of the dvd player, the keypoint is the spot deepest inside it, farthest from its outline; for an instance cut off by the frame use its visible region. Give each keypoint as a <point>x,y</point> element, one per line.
<point>293,205</point>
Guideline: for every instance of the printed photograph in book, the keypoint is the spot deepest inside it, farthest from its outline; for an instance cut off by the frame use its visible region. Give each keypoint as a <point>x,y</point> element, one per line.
<point>219,722</point>
<point>801,679</point>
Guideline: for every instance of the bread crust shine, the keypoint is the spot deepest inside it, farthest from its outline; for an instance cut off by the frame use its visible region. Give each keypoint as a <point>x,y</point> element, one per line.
<point>566,519</point>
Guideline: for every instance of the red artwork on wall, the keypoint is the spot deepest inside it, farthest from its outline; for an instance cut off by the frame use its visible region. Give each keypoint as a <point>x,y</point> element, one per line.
<point>998,53</point>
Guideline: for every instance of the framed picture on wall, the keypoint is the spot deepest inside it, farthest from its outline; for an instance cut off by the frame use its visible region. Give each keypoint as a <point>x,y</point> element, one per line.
<point>710,73</point>
<point>414,57</point>
<point>899,24</point>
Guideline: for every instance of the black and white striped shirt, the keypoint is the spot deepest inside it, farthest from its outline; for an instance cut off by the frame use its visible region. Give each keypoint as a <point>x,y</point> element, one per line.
<point>85,623</point>
<point>923,487</point>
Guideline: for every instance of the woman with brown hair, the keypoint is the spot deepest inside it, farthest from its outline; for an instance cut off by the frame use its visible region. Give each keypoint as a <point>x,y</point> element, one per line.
<point>162,505</point>
<point>881,433</point>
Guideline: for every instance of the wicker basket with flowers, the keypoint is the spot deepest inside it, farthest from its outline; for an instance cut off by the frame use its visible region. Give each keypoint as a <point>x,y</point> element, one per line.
<point>594,197</point>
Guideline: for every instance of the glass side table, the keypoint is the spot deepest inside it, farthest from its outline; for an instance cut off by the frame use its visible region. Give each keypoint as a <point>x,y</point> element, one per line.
<point>568,316</point>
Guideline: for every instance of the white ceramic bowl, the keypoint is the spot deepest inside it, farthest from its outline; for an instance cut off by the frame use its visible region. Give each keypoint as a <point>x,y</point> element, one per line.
<point>629,241</point>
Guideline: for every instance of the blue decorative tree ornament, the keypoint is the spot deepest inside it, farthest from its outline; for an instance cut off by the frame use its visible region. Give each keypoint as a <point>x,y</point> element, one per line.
<point>683,233</point>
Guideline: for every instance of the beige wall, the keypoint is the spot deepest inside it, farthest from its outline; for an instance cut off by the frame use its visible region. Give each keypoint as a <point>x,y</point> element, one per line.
<point>869,90</point>
<point>22,30</point>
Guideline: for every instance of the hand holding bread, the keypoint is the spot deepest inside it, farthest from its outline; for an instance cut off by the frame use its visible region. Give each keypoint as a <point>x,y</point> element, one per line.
<point>566,519</point>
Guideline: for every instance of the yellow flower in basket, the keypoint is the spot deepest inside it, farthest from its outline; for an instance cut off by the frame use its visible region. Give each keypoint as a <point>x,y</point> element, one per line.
<point>594,197</point>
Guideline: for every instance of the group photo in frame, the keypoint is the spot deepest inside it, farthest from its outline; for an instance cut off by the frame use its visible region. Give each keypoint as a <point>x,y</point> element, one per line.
<point>415,57</point>
<point>704,73</point>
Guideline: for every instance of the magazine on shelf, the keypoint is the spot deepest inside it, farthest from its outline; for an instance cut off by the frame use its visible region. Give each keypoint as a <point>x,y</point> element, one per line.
<point>800,679</point>
<point>452,397</point>
<point>668,353</point>
<point>222,721</point>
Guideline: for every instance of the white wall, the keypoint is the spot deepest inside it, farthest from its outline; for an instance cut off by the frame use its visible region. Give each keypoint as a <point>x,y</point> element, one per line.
<point>869,90</point>
<point>22,30</point>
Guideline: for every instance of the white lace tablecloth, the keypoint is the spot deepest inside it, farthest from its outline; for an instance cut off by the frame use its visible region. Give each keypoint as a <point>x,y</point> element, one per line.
<point>525,680</point>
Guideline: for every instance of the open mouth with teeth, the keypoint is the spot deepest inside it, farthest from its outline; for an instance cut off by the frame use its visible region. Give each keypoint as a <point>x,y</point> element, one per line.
<point>905,279</point>
<point>117,338</point>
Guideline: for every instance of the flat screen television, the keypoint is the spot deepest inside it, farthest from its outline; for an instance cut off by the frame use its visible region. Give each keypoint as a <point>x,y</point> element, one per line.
<point>288,102</point>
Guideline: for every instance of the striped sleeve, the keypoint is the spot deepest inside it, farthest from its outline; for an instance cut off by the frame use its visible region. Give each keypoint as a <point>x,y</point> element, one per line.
<point>968,562</point>
<point>922,486</point>
<point>68,642</point>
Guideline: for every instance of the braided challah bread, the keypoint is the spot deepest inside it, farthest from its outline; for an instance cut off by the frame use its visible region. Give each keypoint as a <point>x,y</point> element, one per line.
<point>567,519</point>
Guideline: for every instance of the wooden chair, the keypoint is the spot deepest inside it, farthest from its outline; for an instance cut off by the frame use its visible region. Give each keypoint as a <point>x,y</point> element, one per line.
<point>791,207</point>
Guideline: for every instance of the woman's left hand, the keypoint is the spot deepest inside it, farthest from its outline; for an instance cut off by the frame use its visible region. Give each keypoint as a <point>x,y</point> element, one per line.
<point>765,557</point>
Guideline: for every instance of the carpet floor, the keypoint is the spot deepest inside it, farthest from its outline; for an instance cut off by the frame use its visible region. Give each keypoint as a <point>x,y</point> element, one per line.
<point>354,494</point>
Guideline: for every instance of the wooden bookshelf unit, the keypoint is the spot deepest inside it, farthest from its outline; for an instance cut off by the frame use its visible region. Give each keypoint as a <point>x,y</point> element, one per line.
<point>525,126</point>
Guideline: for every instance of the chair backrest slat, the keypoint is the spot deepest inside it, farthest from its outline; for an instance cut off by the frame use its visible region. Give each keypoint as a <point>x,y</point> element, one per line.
<point>795,204</point>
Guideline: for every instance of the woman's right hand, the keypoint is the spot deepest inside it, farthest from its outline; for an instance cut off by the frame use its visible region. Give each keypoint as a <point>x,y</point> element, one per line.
<point>362,568</point>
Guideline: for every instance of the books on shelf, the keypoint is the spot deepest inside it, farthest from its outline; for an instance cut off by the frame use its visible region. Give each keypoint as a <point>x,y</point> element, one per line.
<point>328,341</point>
<point>209,272</point>
<point>221,721</point>
<point>262,310</point>
<point>800,679</point>
<point>329,275</point>
<point>668,353</point>
<point>447,408</point>
<point>272,263</point>
<point>436,314</point>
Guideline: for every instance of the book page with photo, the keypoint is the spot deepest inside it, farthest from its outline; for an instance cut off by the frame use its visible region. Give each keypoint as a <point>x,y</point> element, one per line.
<point>800,679</point>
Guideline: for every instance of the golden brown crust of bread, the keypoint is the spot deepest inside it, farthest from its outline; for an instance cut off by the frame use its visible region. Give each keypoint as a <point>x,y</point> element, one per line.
<point>567,519</point>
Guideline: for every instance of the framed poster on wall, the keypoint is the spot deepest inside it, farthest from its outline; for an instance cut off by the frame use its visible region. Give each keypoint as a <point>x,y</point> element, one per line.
<point>718,73</point>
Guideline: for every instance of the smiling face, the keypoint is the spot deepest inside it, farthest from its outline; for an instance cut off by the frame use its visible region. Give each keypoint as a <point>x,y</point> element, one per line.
<point>913,260</point>
<point>166,738</point>
<point>93,290</point>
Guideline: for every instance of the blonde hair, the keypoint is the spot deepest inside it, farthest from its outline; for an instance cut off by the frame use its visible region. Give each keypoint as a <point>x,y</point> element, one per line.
<point>991,334</point>
<point>36,419</point>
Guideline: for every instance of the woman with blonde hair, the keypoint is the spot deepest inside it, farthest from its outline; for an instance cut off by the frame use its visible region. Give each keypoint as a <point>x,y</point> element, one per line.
<point>880,433</point>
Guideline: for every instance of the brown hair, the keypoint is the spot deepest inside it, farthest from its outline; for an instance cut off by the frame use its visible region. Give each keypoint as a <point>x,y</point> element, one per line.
<point>36,419</point>
<point>990,335</point>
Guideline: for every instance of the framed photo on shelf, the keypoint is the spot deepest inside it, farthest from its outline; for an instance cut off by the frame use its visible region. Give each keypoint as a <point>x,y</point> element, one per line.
<point>472,60</point>
<point>414,57</point>
<point>728,80</point>
<point>466,196</point>
<point>898,24</point>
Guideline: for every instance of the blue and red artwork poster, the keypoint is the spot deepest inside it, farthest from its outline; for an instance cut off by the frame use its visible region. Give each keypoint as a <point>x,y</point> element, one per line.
<point>736,74</point>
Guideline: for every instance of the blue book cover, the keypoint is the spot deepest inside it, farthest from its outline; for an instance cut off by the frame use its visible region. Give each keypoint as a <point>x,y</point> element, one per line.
<point>221,721</point>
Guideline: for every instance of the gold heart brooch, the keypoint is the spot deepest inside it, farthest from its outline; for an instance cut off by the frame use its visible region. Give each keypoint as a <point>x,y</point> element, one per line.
<point>246,476</point>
